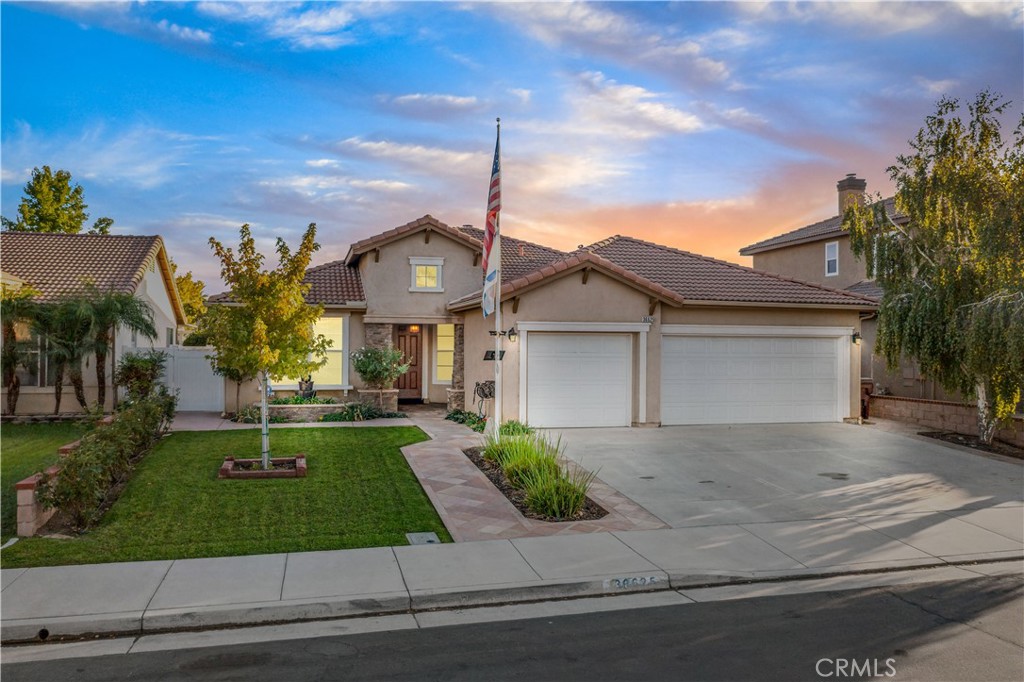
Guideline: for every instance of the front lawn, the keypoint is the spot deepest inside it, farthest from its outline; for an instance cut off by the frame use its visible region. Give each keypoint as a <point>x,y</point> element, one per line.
<point>359,493</point>
<point>26,449</point>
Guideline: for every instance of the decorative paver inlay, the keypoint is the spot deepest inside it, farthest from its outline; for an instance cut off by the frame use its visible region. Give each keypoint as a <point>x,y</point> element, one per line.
<point>473,509</point>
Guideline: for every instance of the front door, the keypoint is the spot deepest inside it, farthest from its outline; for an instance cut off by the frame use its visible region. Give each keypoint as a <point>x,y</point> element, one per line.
<point>409,340</point>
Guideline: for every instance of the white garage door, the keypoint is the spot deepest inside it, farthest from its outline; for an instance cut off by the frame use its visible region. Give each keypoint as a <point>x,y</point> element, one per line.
<point>578,380</point>
<point>749,380</point>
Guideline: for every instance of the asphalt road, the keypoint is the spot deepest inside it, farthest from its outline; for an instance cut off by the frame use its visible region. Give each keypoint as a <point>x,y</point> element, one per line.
<point>964,630</point>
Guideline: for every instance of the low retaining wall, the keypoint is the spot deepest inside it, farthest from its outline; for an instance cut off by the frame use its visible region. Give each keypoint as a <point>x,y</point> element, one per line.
<point>303,413</point>
<point>32,515</point>
<point>941,415</point>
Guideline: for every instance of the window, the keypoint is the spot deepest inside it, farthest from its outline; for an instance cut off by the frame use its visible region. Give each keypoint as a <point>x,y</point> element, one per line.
<point>37,369</point>
<point>444,354</point>
<point>170,336</point>
<point>332,373</point>
<point>427,274</point>
<point>831,259</point>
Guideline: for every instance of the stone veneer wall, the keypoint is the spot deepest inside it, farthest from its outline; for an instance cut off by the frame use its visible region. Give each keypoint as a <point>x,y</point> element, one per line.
<point>378,335</point>
<point>457,392</point>
<point>942,415</point>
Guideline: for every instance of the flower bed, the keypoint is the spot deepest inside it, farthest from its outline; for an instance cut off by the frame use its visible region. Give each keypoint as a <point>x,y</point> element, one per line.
<point>280,467</point>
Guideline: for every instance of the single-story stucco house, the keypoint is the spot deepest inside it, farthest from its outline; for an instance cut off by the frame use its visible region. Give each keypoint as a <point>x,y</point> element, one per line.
<point>623,332</point>
<point>59,265</point>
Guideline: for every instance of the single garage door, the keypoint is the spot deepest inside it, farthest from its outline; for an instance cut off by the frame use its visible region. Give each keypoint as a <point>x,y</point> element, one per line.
<point>578,380</point>
<point>749,380</point>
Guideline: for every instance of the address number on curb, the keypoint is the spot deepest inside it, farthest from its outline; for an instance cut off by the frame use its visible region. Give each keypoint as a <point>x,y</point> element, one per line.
<point>631,582</point>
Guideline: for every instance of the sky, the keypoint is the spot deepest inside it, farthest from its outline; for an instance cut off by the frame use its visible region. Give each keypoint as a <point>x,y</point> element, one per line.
<point>706,126</point>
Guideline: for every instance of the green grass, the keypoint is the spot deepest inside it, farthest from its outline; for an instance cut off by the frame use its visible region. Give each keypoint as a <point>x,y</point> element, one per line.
<point>26,449</point>
<point>359,492</point>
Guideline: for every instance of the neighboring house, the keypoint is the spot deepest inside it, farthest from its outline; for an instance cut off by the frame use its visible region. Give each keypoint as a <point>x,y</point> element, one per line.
<point>620,333</point>
<point>58,265</point>
<point>820,253</point>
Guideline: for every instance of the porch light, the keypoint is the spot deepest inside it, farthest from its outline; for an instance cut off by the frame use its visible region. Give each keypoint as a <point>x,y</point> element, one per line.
<point>856,338</point>
<point>512,334</point>
<point>414,329</point>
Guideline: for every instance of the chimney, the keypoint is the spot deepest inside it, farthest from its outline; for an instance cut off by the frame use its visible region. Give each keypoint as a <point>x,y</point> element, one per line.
<point>851,189</point>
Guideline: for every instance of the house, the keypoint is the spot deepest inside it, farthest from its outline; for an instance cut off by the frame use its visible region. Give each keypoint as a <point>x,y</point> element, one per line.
<point>820,253</point>
<point>622,332</point>
<point>58,265</point>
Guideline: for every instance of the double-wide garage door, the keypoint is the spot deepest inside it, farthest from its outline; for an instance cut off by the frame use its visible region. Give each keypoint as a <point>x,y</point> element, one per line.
<point>749,380</point>
<point>578,380</point>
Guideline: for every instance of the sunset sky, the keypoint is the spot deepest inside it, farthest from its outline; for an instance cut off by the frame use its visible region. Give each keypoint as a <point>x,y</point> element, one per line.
<point>701,125</point>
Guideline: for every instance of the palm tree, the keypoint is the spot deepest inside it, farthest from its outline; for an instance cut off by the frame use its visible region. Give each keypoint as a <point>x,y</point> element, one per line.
<point>64,326</point>
<point>107,311</point>
<point>16,308</point>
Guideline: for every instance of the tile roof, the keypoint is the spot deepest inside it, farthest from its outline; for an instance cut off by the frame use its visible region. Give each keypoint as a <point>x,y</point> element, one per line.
<point>866,287</point>
<point>572,262</point>
<point>700,278</point>
<point>426,222</point>
<point>518,257</point>
<point>58,265</point>
<point>832,227</point>
<point>332,283</point>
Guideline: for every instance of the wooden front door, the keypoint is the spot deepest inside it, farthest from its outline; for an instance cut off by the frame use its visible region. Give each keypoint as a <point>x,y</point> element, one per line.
<point>409,340</point>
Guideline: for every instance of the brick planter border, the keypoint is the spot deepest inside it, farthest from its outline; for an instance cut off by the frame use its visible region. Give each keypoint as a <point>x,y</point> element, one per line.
<point>228,470</point>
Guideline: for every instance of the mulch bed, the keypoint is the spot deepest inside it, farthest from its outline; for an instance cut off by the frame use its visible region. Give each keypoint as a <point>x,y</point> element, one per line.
<point>972,442</point>
<point>591,511</point>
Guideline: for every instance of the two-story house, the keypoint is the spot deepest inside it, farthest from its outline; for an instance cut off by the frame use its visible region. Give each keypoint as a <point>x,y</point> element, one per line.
<point>821,253</point>
<point>622,332</point>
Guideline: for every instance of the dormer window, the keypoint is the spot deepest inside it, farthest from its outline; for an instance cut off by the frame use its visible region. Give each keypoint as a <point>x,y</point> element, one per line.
<point>427,274</point>
<point>831,259</point>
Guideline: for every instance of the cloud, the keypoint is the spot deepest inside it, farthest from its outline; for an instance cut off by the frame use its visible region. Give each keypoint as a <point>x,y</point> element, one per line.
<point>936,88</point>
<point>414,155</point>
<point>139,156</point>
<point>596,30</point>
<point>313,27</point>
<point>185,33</point>
<point>887,18</point>
<point>431,106</point>
<point>521,94</point>
<point>629,111</point>
<point>322,163</point>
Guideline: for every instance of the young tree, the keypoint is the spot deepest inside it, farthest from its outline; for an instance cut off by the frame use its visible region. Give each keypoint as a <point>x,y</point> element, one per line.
<point>952,272</point>
<point>267,330</point>
<point>64,326</point>
<point>16,309</point>
<point>52,204</point>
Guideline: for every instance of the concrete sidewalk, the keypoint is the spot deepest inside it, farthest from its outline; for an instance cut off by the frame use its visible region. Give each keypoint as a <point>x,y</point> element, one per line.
<point>153,596</point>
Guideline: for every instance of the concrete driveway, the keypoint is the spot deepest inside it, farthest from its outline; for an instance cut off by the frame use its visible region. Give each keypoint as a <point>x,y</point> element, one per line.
<point>709,475</point>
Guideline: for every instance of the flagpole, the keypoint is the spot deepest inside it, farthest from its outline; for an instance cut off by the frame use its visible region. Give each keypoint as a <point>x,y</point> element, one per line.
<point>496,419</point>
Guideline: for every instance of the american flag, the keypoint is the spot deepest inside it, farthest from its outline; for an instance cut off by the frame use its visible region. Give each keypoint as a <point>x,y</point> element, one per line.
<point>492,236</point>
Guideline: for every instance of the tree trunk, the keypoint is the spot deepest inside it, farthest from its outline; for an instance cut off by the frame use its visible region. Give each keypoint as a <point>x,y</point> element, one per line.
<point>58,387</point>
<point>264,420</point>
<point>13,389</point>
<point>101,377</point>
<point>75,374</point>
<point>986,414</point>
<point>238,392</point>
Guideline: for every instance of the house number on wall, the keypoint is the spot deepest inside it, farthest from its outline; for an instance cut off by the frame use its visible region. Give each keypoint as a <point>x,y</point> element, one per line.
<point>648,319</point>
<point>634,581</point>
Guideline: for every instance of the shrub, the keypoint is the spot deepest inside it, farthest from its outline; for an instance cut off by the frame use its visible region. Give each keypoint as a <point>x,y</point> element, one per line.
<point>470,419</point>
<point>379,368</point>
<point>139,373</point>
<point>106,457</point>
<point>250,414</point>
<point>357,412</point>
<point>514,428</point>
<point>300,400</point>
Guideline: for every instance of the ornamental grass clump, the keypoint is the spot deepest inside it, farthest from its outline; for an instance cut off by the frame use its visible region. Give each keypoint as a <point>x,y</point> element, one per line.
<point>532,463</point>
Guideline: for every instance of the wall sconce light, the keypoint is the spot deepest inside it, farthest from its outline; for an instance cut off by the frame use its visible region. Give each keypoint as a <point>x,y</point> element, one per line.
<point>414,329</point>
<point>512,334</point>
<point>856,338</point>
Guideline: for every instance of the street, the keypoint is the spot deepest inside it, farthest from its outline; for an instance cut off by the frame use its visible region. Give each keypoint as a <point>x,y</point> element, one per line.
<point>961,630</point>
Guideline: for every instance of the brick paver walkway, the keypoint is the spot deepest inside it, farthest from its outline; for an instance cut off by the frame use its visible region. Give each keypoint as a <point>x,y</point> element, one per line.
<point>473,509</point>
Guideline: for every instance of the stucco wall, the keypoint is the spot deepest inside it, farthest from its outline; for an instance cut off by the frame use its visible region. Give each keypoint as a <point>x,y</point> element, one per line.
<point>806,262</point>
<point>387,281</point>
<point>604,299</point>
